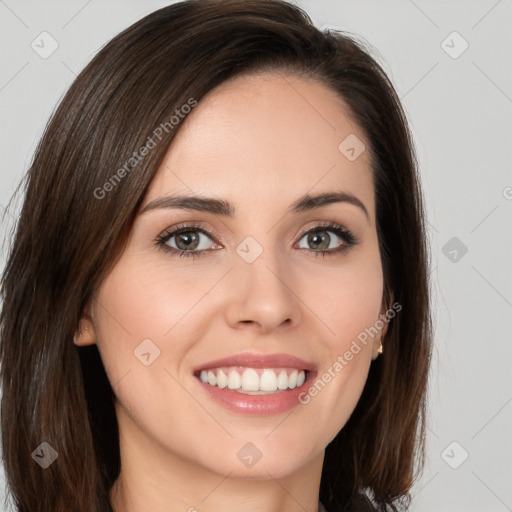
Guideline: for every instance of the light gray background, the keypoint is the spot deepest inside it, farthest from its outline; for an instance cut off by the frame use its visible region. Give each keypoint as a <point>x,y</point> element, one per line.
<point>460,110</point>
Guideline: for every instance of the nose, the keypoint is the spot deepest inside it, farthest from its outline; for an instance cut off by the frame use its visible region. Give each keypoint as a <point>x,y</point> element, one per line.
<point>262,296</point>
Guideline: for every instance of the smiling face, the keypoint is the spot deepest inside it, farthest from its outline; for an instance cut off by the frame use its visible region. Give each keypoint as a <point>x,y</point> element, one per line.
<point>246,276</point>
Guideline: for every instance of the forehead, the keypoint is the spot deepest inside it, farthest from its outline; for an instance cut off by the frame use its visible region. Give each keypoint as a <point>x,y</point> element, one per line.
<point>264,139</point>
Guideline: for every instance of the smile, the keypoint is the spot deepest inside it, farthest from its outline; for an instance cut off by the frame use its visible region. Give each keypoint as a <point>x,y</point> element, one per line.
<point>254,381</point>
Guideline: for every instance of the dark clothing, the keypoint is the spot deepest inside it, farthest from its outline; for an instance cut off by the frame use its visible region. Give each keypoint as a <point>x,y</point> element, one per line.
<point>360,503</point>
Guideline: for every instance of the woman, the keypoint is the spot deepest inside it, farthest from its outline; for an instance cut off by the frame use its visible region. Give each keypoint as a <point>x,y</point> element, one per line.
<point>170,338</point>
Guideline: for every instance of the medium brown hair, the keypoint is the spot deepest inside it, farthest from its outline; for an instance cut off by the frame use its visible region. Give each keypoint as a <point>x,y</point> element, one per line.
<point>67,239</point>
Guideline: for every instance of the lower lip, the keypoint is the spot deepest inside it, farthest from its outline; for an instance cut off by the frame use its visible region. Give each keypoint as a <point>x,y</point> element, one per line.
<point>257,405</point>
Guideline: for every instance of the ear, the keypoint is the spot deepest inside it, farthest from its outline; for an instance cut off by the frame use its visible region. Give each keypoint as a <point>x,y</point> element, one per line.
<point>85,333</point>
<point>378,342</point>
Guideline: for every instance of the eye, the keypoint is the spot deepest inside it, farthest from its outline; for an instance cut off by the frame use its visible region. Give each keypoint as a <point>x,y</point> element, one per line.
<point>194,240</point>
<point>187,240</point>
<point>320,241</point>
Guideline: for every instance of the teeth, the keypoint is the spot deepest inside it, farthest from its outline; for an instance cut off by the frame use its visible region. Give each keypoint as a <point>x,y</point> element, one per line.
<point>268,381</point>
<point>282,380</point>
<point>253,381</point>
<point>250,380</point>
<point>234,380</point>
<point>222,379</point>
<point>212,379</point>
<point>292,379</point>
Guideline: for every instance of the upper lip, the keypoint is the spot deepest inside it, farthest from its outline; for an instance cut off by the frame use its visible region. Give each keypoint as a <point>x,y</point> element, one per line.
<point>254,360</point>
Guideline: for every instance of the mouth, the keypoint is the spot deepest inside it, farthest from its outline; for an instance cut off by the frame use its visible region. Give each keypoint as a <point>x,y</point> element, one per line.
<point>254,381</point>
<point>256,384</point>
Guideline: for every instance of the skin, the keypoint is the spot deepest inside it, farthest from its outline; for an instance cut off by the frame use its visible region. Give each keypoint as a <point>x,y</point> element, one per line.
<point>260,142</point>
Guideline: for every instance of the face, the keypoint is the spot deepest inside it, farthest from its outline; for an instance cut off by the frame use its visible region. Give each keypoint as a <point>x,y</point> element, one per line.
<point>281,285</point>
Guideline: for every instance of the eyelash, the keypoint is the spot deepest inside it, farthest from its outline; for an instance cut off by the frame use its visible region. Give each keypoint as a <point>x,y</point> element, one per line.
<point>349,239</point>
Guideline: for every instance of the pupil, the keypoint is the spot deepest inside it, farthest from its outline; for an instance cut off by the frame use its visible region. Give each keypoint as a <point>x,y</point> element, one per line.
<point>187,240</point>
<point>315,238</point>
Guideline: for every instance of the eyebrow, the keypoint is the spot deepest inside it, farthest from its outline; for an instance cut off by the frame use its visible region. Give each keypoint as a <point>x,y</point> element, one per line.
<point>225,208</point>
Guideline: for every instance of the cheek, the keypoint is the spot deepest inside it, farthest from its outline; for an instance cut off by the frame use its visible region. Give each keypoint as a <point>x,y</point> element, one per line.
<point>141,301</point>
<point>347,299</point>
<point>348,303</point>
<point>138,302</point>
<point>129,310</point>
<point>141,316</point>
